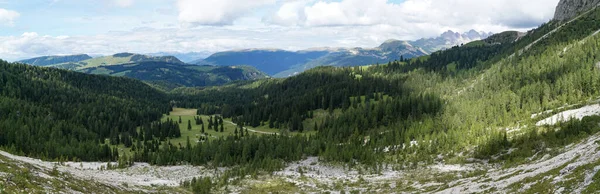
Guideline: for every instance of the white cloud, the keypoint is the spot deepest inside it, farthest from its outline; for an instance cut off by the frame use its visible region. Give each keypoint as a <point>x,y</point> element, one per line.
<point>412,13</point>
<point>206,38</point>
<point>216,12</point>
<point>7,17</point>
<point>287,24</point>
<point>123,3</point>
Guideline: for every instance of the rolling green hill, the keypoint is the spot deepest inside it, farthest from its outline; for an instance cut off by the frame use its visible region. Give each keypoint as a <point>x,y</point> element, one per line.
<point>171,75</point>
<point>116,59</point>
<point>52,60</point>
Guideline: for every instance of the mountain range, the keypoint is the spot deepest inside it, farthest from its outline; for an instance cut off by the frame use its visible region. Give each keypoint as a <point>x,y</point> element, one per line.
<point>166,72</point>
<point>282,63</point>
<point>187,57</point>
<point>274,62</point>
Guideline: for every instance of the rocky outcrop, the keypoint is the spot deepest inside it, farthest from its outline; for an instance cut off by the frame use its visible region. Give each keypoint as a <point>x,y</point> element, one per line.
<point>568,9</point>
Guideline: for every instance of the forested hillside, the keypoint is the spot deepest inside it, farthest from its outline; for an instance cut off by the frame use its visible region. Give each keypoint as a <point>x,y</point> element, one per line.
<point>171,75</point>
<point>52,114</point>
<point>164,72</point>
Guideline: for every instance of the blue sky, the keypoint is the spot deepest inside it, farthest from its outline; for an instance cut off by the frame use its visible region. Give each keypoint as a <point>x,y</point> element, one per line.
<point>59,27</point>
<point>84,17</point>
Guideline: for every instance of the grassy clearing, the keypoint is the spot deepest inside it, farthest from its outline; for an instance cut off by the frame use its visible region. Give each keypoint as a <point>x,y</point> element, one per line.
<point>196,132</point>
<point>229,128</point>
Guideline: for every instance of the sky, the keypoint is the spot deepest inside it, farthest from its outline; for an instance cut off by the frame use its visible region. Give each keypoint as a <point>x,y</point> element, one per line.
<point>31,28</point>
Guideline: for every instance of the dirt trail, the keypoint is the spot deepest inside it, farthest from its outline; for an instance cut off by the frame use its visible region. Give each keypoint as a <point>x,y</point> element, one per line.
<point>252,130</point>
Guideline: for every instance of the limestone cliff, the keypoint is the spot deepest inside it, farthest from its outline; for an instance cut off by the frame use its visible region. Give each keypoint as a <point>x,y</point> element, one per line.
<point>568,9</point>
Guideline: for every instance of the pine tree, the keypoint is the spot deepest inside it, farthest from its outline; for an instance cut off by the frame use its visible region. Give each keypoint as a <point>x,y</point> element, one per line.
<point>179,119</point>
<point>202,130</point>
<point>188,144</point>
<point>271,122</point>
<point>222,128</point>
<point>189,125</point>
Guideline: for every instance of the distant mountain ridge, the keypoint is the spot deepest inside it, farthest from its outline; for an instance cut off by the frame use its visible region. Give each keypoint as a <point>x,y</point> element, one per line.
<point>172,75</point>
<point>268,61</point>
<point>448,39</point>
<point>116,59</point>
<point>50,60</point>
<point>187,57</point>
<point>166,72</point>
<point>282,63</point>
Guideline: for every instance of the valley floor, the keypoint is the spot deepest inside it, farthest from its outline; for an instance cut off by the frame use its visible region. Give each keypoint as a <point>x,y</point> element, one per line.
<point>572,171</point>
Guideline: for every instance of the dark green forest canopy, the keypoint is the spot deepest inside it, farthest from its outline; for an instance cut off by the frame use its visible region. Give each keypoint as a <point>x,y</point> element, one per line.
<point>52,113</point>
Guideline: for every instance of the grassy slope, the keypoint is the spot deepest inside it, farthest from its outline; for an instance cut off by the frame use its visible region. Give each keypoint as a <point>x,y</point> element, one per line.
<point>116,59</point>
<point>94,62</point>
<point>108,60</point>
<point>51,60</point>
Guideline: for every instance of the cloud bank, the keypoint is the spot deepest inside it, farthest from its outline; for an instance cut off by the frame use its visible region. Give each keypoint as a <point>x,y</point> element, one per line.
<point>217,25</point>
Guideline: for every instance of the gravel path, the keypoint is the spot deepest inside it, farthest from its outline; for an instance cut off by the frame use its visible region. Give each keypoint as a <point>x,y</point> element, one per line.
<point>252,130</point>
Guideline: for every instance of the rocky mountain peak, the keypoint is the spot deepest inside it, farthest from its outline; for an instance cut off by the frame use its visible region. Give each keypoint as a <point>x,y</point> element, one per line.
<point>568,9</point>
<point>394,44</point>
